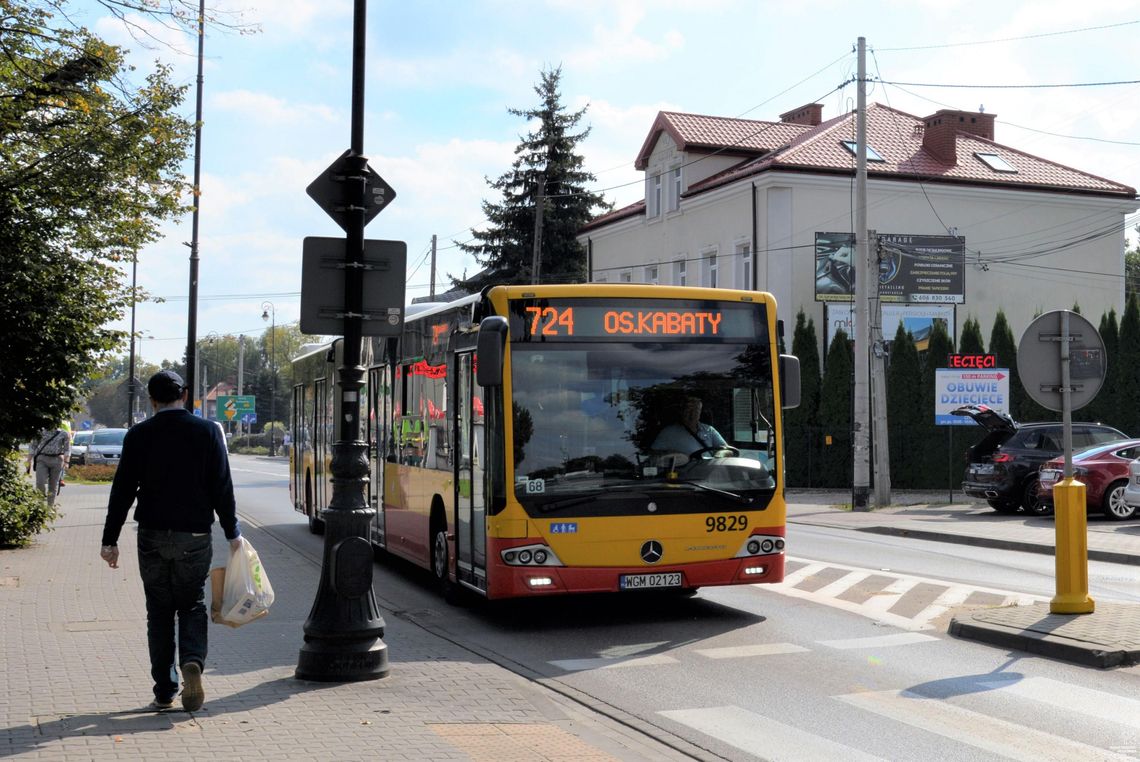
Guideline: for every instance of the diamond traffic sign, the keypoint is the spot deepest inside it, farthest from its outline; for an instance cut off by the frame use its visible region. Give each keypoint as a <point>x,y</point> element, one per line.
<point>331,191</point>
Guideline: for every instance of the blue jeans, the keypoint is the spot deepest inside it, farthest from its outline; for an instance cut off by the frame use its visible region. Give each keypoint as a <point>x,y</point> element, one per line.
<point>174,566</point>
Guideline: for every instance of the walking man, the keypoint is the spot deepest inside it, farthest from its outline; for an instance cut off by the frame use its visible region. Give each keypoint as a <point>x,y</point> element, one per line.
<point>48,458</point>
<point>175,468</point>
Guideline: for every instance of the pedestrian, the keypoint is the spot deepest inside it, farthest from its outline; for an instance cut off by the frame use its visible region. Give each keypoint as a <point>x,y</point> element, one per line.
<point>48,457</point>
<point>175,468</point>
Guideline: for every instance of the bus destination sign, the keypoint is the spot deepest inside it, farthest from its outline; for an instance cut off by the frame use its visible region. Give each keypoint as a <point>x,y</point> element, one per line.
<point>633,320</point>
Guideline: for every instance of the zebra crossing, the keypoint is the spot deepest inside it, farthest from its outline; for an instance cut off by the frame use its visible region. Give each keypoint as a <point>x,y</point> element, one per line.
<point>904,600</point>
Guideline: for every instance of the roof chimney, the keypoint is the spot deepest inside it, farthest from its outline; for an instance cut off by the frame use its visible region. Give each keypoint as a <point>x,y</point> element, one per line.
<point>940,131</point>
<point>811,115</point>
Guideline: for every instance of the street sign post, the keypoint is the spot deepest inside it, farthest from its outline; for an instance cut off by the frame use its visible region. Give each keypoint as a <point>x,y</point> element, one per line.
<point>233,407</point>
<point>323,271</point>
<point>1061,361</point>
<point>331,191</point>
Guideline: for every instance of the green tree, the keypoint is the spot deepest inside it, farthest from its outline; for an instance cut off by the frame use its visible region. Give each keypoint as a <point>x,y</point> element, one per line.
<point>546,157</point>
<point>89,167</point>
<point>1128,391</point>
<point>1104,406</point>
<point>1132,270</point>
<point>937,444</point>
<point>905,416</point>
<point>1004,349</point>
<point>970,342</point>
<point>801,439</point>
<point>835,414</point>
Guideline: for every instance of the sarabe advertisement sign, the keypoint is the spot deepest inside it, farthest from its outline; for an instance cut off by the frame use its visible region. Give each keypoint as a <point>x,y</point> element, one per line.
<point>916,269</point>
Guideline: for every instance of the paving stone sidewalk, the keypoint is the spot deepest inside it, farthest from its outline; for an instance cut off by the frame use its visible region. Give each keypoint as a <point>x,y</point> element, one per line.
<point>76,676</point>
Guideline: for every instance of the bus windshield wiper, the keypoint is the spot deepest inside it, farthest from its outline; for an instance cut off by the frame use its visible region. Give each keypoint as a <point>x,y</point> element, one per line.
<point>722,492</point>
<point>579,498</point>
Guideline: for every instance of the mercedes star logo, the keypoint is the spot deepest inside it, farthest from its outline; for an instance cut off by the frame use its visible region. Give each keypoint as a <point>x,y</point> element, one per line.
<point>651,552</point>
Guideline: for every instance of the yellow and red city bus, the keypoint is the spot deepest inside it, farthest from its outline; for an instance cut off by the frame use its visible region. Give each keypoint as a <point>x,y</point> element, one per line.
<point>516,447</point>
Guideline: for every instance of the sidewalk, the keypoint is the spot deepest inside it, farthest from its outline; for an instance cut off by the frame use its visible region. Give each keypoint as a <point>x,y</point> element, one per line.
<point>74,660</point>
<point>1108,637</point>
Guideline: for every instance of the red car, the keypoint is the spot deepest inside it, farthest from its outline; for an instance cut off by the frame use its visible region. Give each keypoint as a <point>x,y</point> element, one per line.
<point>1104,471</point>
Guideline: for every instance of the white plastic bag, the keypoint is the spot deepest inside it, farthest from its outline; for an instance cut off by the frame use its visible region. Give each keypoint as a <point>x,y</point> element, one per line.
<point>246,593</point>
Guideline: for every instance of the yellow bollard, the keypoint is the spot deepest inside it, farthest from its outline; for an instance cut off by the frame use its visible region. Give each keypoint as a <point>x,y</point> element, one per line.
<point>1072,550</point>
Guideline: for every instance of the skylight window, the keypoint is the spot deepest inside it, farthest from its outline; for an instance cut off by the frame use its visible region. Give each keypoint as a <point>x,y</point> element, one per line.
<point>997,163</point>
<point>872,154</point>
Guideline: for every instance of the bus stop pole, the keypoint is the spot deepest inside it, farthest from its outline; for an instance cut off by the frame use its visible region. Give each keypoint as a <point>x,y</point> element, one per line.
<point>344,631</point>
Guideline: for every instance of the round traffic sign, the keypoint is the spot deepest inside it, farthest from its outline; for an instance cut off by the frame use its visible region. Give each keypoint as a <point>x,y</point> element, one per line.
<point>1039,359</point>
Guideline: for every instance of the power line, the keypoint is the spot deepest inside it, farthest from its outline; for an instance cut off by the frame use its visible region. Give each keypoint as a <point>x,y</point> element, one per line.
<point>1011,39</point>
<point>1014,87</point>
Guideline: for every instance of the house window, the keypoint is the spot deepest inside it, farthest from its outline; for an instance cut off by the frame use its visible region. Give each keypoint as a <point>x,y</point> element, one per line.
<point>651,274</point>
<point>997,163</point>
<point>625,277</point>
<point>853,147</point>
<point>675,189</point>
<point>711,269</point>
<point>680,277</point>
<point>744,255</point>
<point>653,195</point>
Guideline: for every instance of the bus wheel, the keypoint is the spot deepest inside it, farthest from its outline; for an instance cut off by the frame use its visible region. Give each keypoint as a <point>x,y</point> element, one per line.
<point>440,564</point>
<point>316,526</point>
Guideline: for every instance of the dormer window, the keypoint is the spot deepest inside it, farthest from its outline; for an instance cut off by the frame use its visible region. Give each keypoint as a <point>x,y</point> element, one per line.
<point>853,147</point>
<point>653,195</point>
<point>674,189</point>
<point>997,163</point>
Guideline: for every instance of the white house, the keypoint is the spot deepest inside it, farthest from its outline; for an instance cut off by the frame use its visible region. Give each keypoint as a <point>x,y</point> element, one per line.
<point>970,225</point>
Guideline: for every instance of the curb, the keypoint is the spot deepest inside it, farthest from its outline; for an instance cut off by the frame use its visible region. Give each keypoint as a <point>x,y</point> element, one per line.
<point>1041,644</point>
<point>1094,554</point>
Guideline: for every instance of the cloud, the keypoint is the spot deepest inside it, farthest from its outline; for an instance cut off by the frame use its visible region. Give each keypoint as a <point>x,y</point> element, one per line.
<point>268,109</point>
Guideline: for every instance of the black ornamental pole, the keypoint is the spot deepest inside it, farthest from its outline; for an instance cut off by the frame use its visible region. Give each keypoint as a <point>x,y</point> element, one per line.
<point>344,631</point>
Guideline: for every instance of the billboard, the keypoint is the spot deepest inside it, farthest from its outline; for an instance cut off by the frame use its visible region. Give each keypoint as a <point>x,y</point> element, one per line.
<point>955,387</point>
<point>917,318</point>
<point>922,269</point>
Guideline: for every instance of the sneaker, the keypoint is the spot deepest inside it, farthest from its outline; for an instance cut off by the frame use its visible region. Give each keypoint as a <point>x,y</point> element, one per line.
<point>160,705</point>
<point>192,693</point>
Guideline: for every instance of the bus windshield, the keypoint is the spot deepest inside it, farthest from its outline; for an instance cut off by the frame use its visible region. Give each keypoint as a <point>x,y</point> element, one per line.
<point>609,419</point>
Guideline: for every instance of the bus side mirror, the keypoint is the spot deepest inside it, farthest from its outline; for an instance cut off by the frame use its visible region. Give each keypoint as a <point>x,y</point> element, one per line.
<point>492,345</point>
<point>789,381</point>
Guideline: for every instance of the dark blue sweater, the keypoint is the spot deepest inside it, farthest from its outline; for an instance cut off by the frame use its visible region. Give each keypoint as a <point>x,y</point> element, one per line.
<point>176,466</point>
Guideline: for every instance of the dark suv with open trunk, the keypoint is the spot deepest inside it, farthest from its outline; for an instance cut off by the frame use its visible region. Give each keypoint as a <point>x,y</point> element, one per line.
<point>1002,468</point>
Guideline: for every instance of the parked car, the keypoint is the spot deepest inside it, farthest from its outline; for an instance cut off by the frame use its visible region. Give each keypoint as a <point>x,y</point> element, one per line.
<point>105,448</point>
<point>1104,472</point>
<point>1002,467</point>
<point>79,444</point>
<point>1131,494</point>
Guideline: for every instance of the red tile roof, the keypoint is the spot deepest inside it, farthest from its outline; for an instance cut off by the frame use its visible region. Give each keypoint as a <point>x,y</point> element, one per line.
<point>897,137</point>
<point>693,132</point>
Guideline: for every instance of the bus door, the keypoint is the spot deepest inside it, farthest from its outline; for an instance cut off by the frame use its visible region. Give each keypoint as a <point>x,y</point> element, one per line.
<point>470,516</point>
<point>322,427</point>
<point>379,425</point>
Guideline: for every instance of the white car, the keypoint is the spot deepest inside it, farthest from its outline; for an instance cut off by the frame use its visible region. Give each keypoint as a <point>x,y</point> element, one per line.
<point>1132,491</point>
<point>79,444</point>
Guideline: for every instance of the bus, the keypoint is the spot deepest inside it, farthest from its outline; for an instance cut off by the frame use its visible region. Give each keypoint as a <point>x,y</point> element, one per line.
<point>516,439</point>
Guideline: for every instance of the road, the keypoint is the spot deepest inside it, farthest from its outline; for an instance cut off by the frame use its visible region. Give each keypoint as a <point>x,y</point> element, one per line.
<point>815,668</point>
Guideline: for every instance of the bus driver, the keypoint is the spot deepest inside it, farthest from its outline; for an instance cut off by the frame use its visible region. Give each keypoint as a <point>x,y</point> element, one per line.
<point>688,435</point>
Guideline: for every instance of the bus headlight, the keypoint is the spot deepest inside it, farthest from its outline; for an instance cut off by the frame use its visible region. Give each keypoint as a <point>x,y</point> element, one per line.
<point>530,555</point>
<point>761,545</point>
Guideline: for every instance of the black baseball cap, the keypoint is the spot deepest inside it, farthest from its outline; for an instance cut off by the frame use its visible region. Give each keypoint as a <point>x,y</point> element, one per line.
<point>165,386</point>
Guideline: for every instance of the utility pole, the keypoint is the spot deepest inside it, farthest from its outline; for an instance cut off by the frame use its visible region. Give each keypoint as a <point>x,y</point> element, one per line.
<point>431,290</point>
<point>860,439</point>
<point>192,311</point>
<point>882,450</point>
<point>241,373</point>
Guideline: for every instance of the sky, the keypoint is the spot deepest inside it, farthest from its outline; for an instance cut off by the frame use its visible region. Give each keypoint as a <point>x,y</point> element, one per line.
<point>441,77</point>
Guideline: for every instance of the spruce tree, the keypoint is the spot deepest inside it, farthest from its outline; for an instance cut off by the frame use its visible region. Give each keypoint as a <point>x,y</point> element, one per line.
<point>904,411</point>
<point>835,413</point>
<point>1128,391</point>
<point>936,440</point>
<point>1004,349</point>
<point>801,437</point>
<point>545,157</point>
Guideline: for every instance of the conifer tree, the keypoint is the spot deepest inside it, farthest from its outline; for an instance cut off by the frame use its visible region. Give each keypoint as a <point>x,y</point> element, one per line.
<point>937,439</point>
<point>801,434</point>
<point>1104,406</point>
<point>1128,390</point>
<point>1004,349</point>
<point>904,411</point>
<point>547,157</point>
<point>835,413</point>
<point>971,342</point>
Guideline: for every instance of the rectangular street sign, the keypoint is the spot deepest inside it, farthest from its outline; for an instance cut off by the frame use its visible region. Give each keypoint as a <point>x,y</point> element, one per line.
<point>232,407</point>
<point>322,287</point>
<point>955,387</point>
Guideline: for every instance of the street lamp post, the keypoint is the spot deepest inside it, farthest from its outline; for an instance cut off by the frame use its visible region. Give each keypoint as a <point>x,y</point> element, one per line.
<point>270,314</point>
